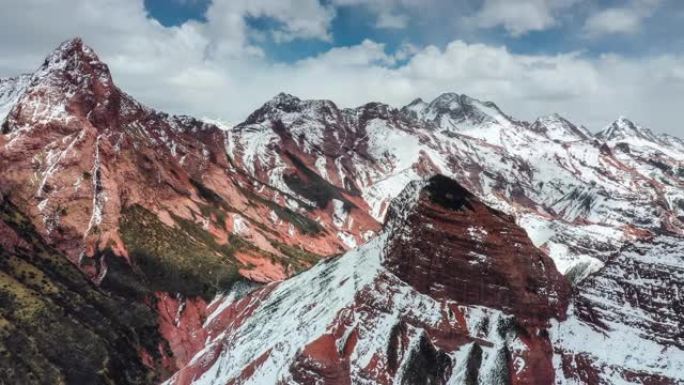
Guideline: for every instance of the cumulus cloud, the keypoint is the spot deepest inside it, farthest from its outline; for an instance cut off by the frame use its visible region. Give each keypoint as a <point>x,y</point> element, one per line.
<point>522,16</point>
<point>391,21</point>
<point>621,20</point>
<point>213,69</point>
<point>395,14</point>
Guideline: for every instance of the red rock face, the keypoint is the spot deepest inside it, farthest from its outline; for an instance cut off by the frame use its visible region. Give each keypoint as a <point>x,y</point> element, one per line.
<point>131,195</point>
<point>458,248</point>
<point>180,323</point>
<point>97,151</point>
<point>321,359</point>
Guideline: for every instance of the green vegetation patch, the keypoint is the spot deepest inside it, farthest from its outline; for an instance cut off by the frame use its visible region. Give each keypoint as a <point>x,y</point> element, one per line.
<point>298,258</point>
<point>56,327</point>
<point>184,259</point>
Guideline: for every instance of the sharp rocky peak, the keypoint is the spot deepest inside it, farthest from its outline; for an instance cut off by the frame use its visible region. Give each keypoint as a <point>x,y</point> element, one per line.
<point>439,188</point>
<point>72,82</point>
<point>452,111</point>
<point>74,62</point>
<point>73,49</point>
<point>284,99</point>
<point>417,102</point>
<point>453,100</point>
<point>414,108</point>
<point>624,128</point>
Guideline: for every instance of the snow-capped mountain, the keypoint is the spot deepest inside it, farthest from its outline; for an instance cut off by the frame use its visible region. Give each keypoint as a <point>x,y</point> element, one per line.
<point>519,252</point>
<point>582,198</point>
<point>148,206</point>
<point>562,184</point>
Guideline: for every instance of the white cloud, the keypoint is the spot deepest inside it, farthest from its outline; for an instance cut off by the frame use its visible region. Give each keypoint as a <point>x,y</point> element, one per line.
<point>621,20</point>
<point>391,21</point>
<point>211,69</point>
<point>521,16</point>
<point>393,14</point>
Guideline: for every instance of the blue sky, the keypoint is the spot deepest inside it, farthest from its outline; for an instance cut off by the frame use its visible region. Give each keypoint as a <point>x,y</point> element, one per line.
<point>660,31</point>
<point>177,12</point>
<point>588,60</point>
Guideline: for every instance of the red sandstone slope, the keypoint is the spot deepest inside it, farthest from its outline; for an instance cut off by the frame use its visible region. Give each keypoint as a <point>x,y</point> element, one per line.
<point>77,151</point>
<point>146,204</point>
<point>437,298</point>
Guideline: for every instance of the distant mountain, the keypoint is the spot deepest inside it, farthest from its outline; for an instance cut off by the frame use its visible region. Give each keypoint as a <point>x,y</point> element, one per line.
<point>520,252</point>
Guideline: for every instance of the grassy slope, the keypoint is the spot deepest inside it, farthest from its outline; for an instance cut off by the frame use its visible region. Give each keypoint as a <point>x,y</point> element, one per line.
<point>56,327</point>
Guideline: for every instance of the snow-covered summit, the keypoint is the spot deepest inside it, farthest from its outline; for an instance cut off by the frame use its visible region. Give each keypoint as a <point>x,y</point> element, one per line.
<point>558,128</point>
<point>631,137</point>
<point>73,64</point>
<point>283,104</point>
<point>72,81</point>
<point>415,108</point>
<point>624,128</point>
<point>458,111</point>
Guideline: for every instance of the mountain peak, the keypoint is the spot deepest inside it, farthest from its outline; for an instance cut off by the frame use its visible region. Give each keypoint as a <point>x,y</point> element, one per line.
<point>415,107</point>
<point>623,128</point>
<point>441,219</point>
<point>74,47</point>
<point>416,101</point>
<point>284,103</point>
<point>73,67</point>
<point>283,98</point>
<point>448,98</point>
<point>72,55</point>
<point>556,127</point>
<point>71,81</point>
<point>455,111</point>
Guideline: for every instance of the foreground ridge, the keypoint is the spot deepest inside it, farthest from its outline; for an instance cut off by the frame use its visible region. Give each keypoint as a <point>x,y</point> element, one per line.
<point>384,314</point>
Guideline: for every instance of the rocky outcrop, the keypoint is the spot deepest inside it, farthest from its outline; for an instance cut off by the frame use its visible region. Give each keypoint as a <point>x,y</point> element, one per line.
<point>453,246</point>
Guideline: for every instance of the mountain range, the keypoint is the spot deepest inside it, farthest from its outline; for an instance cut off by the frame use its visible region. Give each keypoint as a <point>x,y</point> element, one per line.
<point>443,242</point>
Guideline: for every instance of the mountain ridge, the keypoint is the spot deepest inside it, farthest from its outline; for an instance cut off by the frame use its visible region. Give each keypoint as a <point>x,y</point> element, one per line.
<point>181,216</point>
